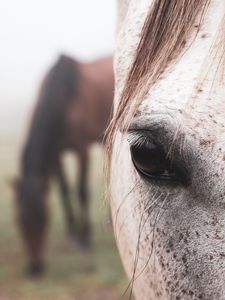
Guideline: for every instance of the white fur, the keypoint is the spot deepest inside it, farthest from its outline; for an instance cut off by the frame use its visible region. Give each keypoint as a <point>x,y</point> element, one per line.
<point>188,258</point>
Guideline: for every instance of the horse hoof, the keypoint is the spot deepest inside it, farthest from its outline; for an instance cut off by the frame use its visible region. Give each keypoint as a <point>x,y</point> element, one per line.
<point>80,244</point>
<point>35,270</point>
<point>85,244</point>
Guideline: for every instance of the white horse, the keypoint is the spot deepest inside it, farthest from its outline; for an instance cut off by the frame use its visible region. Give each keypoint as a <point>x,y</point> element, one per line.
<point>167,143</point>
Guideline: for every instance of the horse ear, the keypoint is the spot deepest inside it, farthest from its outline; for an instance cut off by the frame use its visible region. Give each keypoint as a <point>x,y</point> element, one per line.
<point>14,182</point>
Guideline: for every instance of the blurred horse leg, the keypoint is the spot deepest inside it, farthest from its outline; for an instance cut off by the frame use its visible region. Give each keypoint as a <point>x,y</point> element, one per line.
<point>84,197</point>
<point>32,217</point>
<point>66,203</point>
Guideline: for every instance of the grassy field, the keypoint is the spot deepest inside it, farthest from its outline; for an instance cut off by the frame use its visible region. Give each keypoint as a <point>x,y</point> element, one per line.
<point>71,275</point>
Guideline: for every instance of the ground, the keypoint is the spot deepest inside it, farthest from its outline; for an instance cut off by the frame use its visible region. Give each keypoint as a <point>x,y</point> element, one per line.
<point>70,274</point>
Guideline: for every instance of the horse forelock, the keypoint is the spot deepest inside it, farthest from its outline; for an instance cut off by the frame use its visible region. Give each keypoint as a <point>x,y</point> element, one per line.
<point>171,27</point>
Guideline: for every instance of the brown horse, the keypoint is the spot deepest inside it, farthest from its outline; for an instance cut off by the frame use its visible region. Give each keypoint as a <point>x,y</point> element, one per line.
<point>72,112</point>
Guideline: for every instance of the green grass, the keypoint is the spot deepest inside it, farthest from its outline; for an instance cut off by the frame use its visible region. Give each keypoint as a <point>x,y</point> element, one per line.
<point>70,272</point>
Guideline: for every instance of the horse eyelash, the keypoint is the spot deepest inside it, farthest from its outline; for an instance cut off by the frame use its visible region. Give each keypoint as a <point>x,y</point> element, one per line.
<point>137,139</point>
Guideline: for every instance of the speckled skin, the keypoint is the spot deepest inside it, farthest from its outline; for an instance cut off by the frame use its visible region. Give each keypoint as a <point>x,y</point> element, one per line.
<point>180,230</point>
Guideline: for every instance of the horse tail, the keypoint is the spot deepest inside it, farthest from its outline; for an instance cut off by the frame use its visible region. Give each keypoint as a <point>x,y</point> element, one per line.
<point>58,90</point>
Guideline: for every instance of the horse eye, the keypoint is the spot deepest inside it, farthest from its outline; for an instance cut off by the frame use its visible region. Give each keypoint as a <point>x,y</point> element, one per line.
<point>151,162</point>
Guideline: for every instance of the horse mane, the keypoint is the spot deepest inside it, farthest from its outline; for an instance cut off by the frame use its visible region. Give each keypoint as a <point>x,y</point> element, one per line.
<point>166,30</point>
<point>57,91</point>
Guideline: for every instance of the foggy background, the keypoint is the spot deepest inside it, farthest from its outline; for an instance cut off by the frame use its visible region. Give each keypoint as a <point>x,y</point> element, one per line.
<point>32,35</point>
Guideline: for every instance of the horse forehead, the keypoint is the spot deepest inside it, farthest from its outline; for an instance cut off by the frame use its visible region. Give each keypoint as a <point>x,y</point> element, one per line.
<point>193,83</point>
<point>191,90</point>
<point>134,13</point>
<point>178,89</point>
<point>185,95</point>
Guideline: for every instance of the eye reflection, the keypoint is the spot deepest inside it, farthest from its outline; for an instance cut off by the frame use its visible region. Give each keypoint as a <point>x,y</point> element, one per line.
<point>151,162</point>
<point>148,158</point>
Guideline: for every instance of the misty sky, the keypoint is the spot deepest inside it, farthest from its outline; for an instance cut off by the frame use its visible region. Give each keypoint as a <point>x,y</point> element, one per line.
<point>33,33</point>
